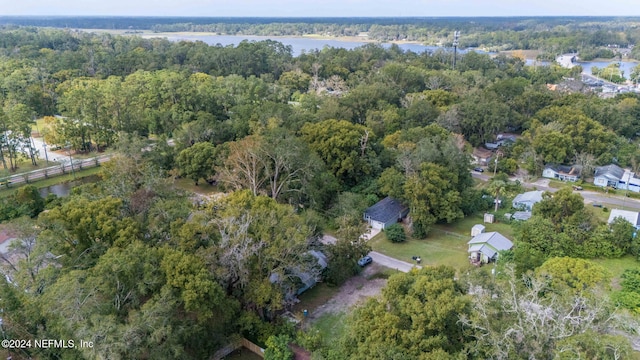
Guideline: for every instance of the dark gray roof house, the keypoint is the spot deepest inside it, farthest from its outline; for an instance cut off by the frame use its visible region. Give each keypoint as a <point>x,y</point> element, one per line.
<point>385,212</point>
<point>608,175</point>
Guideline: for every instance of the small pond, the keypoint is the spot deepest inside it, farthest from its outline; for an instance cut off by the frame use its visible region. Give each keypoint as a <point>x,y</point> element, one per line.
<point>64,189</point>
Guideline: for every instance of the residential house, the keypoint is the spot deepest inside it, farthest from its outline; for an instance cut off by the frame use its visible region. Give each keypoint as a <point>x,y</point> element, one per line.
<point>562,172</point>
<point>501,140</point>
<point>527,200</point>
<point>297,280</point>
<point>608,175</point>
<point>385,212</point>
<point>629,181</point>
<point>481,156</point>
<point>484,247</point>
<point>631,216</point>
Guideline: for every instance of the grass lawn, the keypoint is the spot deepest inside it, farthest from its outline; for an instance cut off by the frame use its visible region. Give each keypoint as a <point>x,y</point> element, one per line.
<point>330,326</point>
<point>439,248</point>
<point>445,245</point>
<point>314,298</point>
<point>617,266</point>
<point>463,226</point>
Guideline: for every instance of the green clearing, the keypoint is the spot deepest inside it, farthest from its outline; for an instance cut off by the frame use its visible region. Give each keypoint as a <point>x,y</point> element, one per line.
<point>603,215</point>
<point>463,226</point>
<point>330,326</point>
<point>203,187</point>
<point>314,298</point>
<point>617,266</point>
<point>439,248</point>
<point>445,245</point>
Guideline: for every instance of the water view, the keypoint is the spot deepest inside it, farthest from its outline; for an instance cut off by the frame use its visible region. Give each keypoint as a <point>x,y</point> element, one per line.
<point>301,45</point>
<point>64,189</point>
<point>298,44</point>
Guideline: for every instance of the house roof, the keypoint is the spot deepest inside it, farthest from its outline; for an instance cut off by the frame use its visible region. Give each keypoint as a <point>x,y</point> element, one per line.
<point>484,249</point>
<point>573,170</point>
<point>385,210</point>
<point>529,196</point>
<point>482,153</point>
<point>521,215</point>
<point>493,239</point>
<point>631,216</point>
<point>478,226</point>
<point>611,172</point>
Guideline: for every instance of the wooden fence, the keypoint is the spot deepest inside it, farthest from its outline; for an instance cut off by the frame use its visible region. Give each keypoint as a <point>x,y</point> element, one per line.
<point>57,170</point>
<point>237,344</point>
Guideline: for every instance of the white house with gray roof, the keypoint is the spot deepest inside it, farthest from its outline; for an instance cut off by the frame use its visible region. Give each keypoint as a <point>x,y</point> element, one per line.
<point>526,200</point>
<point>484,247</point>
<point>631,216</point>
<point>385,212</point>
<point>608,175</point>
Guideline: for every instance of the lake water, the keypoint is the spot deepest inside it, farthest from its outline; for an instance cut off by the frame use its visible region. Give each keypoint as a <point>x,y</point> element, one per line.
<point>301,45</point>
<point>626,66</point>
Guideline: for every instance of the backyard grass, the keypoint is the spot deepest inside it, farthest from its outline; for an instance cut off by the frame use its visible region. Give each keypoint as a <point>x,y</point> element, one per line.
<point>617,266</point>
<point>438,249</point>
<point>314,298</point>
<point>445,245</point>
<point>463,226</point>
<point>330,326</point>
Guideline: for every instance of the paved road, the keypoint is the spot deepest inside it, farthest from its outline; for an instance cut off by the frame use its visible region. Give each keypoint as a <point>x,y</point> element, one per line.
<point>590,197</point>
<point>378,258</point>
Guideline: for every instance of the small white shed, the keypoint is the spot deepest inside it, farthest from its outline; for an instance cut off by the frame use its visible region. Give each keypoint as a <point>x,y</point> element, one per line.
<point>489,218</point>
<point>477,229</point>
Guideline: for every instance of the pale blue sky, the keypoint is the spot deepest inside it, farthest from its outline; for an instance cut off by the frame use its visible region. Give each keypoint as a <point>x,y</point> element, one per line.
<point>314,8</point>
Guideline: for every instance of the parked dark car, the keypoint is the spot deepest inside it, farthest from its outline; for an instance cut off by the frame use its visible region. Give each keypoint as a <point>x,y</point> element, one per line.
<point>478,169</point>
<point>365,261</point>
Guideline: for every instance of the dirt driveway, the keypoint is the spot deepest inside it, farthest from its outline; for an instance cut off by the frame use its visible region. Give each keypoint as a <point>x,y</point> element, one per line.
<point>355,291</point>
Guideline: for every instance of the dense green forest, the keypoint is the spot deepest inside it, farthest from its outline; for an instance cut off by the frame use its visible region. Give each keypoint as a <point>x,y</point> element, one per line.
<point>298,145</point>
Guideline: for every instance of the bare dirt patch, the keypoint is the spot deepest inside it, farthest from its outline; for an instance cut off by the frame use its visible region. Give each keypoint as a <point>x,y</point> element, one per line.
<point>353,292</point>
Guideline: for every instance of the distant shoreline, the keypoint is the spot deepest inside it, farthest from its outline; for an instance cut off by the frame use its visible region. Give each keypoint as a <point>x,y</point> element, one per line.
<point>150,34</point>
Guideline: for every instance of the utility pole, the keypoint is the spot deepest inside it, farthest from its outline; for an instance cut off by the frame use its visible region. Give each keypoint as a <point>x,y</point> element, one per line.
<point>73,171</point>
<point>456,36</point>
<point>495,168</point>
